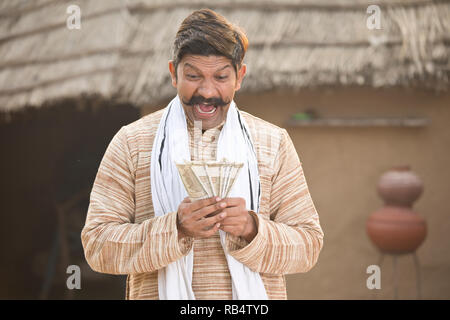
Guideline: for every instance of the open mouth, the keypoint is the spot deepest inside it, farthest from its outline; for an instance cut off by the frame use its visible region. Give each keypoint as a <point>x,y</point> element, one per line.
<point>204,109</point>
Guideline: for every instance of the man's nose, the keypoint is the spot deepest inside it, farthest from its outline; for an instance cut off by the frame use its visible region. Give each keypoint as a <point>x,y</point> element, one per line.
<point>207,89</point>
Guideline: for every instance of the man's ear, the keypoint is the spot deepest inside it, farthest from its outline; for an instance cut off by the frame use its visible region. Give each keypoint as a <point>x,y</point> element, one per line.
<point>173,73</point>
<point>240,76</point>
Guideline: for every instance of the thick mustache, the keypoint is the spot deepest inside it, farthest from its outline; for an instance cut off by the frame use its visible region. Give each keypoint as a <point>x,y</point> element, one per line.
<point>218,102</point>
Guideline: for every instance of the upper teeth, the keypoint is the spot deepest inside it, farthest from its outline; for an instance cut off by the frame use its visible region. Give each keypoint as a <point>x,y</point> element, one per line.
<point>200,110</point>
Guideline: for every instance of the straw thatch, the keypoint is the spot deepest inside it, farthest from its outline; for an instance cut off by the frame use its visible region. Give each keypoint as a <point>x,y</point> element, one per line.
<point>123,47</point>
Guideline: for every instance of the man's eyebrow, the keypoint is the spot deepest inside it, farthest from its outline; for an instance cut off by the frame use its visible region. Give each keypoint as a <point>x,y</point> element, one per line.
<point>191,66</point>
<point>187,64</point>
<point>227,66</point>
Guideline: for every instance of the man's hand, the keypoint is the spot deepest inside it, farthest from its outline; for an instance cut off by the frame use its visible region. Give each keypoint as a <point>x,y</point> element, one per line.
<point>192,220</point>
<point>238,221</point>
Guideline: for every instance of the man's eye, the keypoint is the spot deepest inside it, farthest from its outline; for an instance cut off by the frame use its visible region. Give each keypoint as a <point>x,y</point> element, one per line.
<point>221,77</point>
<point>191,76</point>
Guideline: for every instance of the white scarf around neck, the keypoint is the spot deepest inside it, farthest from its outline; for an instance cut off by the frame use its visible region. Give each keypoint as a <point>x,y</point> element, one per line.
<point>171,145</point>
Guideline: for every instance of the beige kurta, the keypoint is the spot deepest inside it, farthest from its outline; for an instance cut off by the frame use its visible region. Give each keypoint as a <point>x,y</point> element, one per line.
<point>122,235</point>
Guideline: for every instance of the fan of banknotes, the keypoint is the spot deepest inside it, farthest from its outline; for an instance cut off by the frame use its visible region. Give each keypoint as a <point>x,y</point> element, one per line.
<point>205,179</point>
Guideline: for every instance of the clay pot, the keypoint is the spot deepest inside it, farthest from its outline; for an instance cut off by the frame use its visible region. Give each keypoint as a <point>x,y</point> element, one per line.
<point>396,228</point>
<point>400,186</point>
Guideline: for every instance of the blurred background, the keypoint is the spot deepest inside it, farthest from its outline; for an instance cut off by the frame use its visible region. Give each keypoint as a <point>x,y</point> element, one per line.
<point>360,89</point>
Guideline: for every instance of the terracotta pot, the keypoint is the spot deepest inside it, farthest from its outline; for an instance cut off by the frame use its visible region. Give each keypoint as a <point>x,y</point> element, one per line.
<point>400,186</point>
<point>396,228</point>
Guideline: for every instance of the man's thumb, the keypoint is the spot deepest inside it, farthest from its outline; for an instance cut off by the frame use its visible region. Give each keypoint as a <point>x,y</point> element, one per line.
<point>186,200</point>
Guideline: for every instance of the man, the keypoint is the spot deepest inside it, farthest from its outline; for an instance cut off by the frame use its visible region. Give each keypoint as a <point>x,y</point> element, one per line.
<point>141,223</point>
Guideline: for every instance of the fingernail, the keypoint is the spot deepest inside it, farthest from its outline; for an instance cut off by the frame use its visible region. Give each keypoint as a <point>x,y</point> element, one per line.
<point>222,215</point>
<point>218,199</point>
<point>223,205</point>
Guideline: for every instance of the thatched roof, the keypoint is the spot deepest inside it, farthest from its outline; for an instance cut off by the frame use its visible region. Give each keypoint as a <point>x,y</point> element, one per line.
<point>123,46</point>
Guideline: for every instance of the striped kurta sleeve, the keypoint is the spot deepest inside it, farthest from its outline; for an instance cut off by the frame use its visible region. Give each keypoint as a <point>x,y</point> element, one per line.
<point>291,239</point>
<point>112,242</point>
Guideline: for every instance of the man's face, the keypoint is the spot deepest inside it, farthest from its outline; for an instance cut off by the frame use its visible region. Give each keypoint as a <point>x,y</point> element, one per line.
<point>206,87</point>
